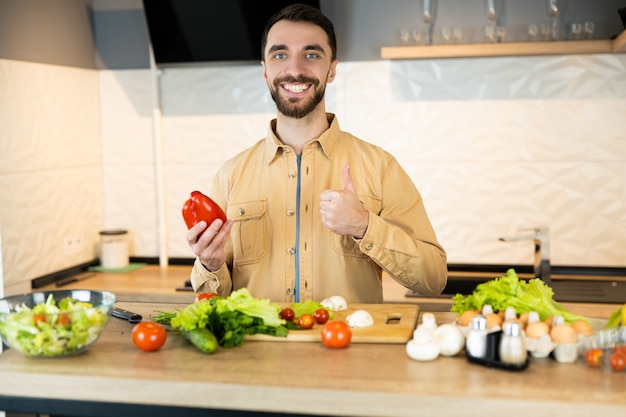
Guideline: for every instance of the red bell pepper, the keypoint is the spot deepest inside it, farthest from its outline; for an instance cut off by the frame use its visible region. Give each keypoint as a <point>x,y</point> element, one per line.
<point>200,207</point>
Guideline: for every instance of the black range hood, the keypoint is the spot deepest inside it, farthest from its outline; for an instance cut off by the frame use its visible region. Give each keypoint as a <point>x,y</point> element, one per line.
<point>191,31</point>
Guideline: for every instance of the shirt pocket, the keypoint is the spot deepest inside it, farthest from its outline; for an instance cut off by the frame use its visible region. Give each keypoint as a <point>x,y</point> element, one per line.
<point>249,232</point>
<point>346,245</point>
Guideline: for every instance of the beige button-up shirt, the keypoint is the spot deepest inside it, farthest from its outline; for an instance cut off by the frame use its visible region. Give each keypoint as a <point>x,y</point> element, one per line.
<point>264,191</point>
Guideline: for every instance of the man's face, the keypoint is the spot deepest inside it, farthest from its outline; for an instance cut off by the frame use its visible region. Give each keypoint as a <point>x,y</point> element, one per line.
<point>297,66</point>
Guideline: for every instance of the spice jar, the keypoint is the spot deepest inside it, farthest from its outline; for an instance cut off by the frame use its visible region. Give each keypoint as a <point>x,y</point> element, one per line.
<point>512,346</point>
<point>476,342</point>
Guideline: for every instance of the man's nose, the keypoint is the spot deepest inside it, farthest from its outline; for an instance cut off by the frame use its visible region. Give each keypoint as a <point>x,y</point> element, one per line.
<point>296,66</point>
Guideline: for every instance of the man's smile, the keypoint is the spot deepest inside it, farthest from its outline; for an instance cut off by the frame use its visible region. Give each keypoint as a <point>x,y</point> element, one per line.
<point>296,87</point>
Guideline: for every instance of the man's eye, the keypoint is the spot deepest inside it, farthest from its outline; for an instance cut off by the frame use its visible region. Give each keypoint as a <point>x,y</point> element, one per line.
<point>280,56</point>
<point>312,55</point>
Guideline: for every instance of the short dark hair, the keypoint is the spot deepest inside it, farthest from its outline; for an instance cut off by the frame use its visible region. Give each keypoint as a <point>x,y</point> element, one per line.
<point>302,13</point>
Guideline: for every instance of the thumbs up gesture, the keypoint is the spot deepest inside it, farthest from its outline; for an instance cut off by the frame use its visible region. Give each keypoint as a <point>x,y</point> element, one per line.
<point>341,210</point>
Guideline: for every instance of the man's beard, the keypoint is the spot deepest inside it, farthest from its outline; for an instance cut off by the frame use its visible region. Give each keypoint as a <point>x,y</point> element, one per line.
<point>289,106</point>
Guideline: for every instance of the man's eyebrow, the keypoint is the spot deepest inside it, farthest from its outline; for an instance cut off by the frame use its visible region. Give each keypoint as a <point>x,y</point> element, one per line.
<point>311,47</point>
<point>275,48</point>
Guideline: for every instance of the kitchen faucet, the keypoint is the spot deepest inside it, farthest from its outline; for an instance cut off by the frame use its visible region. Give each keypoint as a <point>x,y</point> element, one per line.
<point>541,267</point>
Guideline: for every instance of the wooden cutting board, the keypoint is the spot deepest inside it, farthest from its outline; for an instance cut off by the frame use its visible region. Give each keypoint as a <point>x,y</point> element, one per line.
<point>393,323</point>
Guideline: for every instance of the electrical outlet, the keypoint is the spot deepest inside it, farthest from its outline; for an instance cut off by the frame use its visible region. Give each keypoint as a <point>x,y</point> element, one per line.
<point>73,244</point>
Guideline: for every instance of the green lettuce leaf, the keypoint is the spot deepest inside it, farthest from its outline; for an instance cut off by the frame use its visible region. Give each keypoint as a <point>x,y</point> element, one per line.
<point>509,291</point>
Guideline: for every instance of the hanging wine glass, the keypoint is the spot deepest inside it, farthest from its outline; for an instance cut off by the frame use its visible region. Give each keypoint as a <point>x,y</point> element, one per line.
<point>553,12</point>
<point>589,28</point>
<point>405,36</point>
<point>576,30</point>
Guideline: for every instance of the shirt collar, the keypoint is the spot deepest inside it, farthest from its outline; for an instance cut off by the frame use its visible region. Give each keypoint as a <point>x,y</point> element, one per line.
<point>327,140</point>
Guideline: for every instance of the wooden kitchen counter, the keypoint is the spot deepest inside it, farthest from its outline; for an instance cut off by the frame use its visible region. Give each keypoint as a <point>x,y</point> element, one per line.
<point>300,378</point>
<point>297,378</point>
<point>115,378</point>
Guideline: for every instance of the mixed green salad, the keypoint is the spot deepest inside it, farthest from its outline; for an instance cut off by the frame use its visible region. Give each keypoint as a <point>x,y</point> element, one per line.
<point>51,328</point>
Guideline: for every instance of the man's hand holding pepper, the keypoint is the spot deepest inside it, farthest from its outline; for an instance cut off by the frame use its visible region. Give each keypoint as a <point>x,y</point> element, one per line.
<point>208,243</point>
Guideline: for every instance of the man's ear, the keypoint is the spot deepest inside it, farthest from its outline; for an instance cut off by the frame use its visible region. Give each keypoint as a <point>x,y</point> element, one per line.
<point>264,72</point>
<point>332,72</point>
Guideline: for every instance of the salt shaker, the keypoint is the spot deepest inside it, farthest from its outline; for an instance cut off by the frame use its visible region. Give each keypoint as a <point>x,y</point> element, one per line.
<point>476,342</point>
<point>512,347</point>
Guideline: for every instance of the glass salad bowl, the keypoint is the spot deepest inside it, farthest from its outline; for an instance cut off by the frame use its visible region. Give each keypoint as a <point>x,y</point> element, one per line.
<point>54,323</point>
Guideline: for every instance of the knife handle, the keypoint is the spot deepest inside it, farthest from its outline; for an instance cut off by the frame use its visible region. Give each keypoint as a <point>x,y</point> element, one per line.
<point>126,315</point>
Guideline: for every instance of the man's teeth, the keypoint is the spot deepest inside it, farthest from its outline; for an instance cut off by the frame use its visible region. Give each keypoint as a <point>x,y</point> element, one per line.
<point>295,88</point>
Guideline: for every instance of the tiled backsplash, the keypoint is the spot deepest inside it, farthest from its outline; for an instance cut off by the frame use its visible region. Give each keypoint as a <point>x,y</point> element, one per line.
<point>495,145</point>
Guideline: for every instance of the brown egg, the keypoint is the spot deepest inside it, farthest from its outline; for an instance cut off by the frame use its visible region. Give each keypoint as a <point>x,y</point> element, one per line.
<point>466,318</point>
<point>549,320</point>
<point>582,327</point>
<point>493,320</point>
<point>564,333</point>
<point>524,318</point>
<point>537,329</point>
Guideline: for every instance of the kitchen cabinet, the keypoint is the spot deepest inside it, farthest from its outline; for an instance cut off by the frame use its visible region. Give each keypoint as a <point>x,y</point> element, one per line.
<point>602,46</point>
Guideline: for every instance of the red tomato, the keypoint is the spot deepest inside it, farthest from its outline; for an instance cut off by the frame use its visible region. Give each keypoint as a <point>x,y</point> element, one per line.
<point>594,357</point>
<point>287,314</point>
<point>205,296</point>
<point>39,318</point>
<point>321,316</point>
<point>64,320</point>
<point>306,321</point>
<point>149,336</point>
<point>620,348</point>
<point>336,334</point>
<point>200,207</point>
<point>617,361</point>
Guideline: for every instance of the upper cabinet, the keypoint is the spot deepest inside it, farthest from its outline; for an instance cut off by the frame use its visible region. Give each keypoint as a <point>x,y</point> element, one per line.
<point>600,46</point>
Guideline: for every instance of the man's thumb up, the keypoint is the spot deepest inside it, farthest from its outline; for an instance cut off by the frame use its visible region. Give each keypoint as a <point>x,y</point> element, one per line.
<point>348,185</point>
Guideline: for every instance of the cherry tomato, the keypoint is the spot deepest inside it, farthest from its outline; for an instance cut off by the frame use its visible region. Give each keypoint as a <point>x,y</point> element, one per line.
<point>321,316</point>
<point>149,336</point>
<point>287,314</point>
<point>617,361</point>
<point>39,318</point>
<point>64,320</point>
<point>594,357</point>
<point>205,296</point>
<point>336,334</point>
<point>306,321</point>
<point>620,348</point>
<point>200,207</point>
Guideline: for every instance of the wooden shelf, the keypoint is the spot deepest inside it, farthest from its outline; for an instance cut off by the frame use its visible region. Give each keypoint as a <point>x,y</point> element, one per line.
<point>604,46</point>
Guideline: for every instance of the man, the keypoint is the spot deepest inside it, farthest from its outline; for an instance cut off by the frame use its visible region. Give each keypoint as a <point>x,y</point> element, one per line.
<point>313,211</point>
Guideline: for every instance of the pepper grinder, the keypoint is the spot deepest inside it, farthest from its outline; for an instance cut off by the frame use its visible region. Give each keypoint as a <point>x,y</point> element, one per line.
<point>512,346</point>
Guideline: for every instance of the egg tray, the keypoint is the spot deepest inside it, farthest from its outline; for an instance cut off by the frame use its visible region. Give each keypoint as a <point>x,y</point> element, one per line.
<point>492,356</point>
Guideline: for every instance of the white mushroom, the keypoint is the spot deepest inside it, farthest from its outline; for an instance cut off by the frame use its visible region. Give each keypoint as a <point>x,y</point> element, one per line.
<point>360,318</point>
<point>423,348</point>
<point>449,338</point>
<point>335,303</point>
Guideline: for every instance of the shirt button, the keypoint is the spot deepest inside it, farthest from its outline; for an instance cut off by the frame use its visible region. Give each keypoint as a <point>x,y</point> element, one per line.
<point>369,245</point>
<point>289,291</point>
<point>291,251</point>
<point>242,212</point>
<point>290,212</point>
<point>292,174</point>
